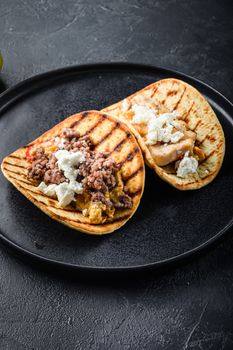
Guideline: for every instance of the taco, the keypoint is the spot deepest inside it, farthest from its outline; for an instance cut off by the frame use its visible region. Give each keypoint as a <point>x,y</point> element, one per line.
<point>178,131</point>
<point>87,172</point>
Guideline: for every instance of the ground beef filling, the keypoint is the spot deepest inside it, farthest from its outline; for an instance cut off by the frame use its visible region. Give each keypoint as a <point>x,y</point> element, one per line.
<point>44,168</point>
<point>99,174</point>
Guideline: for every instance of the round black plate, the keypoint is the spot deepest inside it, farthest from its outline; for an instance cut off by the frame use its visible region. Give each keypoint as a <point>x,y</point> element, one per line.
<point>168,225</point>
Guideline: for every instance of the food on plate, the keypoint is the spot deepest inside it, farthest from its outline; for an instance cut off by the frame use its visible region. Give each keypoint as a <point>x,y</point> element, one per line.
<point>178,131</point>
<point>86,172</point>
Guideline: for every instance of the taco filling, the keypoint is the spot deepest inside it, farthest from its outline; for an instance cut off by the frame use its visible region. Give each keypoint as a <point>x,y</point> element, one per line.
<point>171,143</point>
<point>67,168</point>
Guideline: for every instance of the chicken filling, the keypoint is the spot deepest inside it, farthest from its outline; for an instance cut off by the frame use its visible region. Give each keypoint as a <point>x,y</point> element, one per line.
<point>170,141</point>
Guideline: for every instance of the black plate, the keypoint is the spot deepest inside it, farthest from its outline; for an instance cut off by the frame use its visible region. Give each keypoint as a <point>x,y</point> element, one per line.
<point>169,224</point>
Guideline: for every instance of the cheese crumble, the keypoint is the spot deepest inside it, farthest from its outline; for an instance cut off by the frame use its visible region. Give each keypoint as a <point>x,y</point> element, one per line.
<point>65,191</point>
<point>160,127</point>
<point>188,165</point>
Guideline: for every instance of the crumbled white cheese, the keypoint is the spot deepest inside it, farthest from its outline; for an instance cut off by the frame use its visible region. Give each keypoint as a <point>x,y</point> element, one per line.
<point>60,142</point>
<point>65,194</point>
<point>187,166</point>
<point>124,106</point>
<point>65,191</point>
<point>160,129</point>
<point>142,114</point>
<point>57,140</point>
<point>68,163</point>
<point>48,190</point>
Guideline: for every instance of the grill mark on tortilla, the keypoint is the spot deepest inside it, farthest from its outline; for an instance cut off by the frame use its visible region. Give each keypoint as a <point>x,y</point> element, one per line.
<point>211,138</point>
<point>127,178</point>
<point>188,111</point>
<point>49,200</point>
<point>16,165</point>
<point>14,172</point>
<point>20,180</point>
<point>178,102</point>
<point>198,123</point>
<point>43,195</point>
<point>39,143</point>
<point>171,92</point>
<point>200,142</point>
<point>108,134</point>
<point>35,192</point>
<point>48,206</point>
<point>65,209</point>
<point>77,122</point>
<point>53,206</point>
<point>26,189</point>
<point>15,157</point>
<point>210,154</point>
<point>39,193</point>
<point>118,146</point>
<point>207,175</point>
<point>210,174</point>
<point>130,156</point>
<point>94,126</point>
<point>88,131</point>
<point>154,91</point>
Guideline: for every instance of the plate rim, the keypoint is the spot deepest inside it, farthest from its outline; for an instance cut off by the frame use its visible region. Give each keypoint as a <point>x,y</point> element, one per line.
<point>11,94</point>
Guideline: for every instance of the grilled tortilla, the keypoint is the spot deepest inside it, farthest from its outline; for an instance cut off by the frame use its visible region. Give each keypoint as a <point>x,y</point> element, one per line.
<point>170,95</point>
<point>107,135</point>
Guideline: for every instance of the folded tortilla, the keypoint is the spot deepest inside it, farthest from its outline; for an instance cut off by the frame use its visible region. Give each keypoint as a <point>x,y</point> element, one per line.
<point>108,135</point>
<point>170,95</point>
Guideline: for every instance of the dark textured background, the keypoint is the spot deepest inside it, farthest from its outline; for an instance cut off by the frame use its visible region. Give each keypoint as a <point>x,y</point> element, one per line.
<point>189,307</point>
